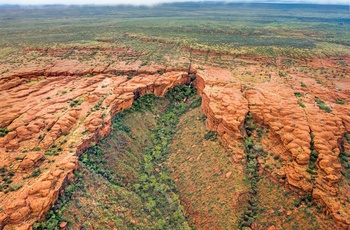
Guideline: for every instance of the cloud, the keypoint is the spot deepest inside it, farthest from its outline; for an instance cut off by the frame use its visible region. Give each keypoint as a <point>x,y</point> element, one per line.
<point>154,2</point>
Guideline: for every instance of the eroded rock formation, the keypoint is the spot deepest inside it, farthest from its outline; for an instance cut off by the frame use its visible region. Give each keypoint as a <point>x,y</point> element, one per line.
<point>294,125</point>
<point>53,112</point>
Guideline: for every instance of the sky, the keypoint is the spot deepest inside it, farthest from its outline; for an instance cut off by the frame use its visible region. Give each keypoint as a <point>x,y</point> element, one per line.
<point>152,2</point>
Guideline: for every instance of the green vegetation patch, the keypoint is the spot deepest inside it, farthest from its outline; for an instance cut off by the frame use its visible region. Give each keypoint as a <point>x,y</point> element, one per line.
<point>35,173</point>
<point>302,84</point>
<point>4,131</point>
<point>322,105</point>
<point>313,157</point>
<point>211,135</point>
<point>163,29</point>
<point>76,102</point>
<point>15,187</point>
<point>298,94</point>
<point>301,104</point>
<point>36,148</point>
<point>347,137</point>
<point>344,160</point>
<point>340,102</point>
<point>251,172</point>
<point>6,175</point>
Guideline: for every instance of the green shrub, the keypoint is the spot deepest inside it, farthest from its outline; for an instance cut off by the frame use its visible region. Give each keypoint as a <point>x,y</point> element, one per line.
<point>322,105</point>
<point>249,142</point>
<point>340,102</point>
<point>4,131</point>
<point>144,63</point>
<point>347,137</point>
<point>143,103</point>
<point>179,93</point>
<point>196,103</point>
<point>344,160</point>
<point>76,102</point>
<point>51,152</point>
<point>36,173</point>
<point>118,125</point>
<point>302,105</point>
<point>211,135</point>
<point>15,187</point>
<point>3,169</point>
<point>249,124</point>
<point>281,74</point>
<point>311,171</point>
<point>297,94</point>
<point>37,148</point>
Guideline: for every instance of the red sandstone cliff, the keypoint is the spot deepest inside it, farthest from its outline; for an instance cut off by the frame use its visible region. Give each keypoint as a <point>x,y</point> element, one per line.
<point>54,111</point>
<point>291,129</point>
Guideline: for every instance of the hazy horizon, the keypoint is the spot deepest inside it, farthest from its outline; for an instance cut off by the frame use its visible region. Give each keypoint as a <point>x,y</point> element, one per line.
<point>155,2</point>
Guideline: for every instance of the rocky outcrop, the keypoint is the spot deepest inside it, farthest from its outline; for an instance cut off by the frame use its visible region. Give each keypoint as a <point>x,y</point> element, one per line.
<point>276,110</point>
<point>53,114</point>
<point>224,105</point>
<point>294,125</point>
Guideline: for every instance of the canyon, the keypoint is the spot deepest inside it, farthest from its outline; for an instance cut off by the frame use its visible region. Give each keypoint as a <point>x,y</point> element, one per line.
<point>53,110</point>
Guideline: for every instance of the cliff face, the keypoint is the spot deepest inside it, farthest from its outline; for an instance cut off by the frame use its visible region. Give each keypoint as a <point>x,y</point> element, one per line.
<point>225,106</point>
<point>296,127</point>
<point>53,112</point>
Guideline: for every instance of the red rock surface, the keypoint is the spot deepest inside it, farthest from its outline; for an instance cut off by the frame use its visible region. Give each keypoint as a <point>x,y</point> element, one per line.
<point>56,109</point>
<point>274,106</point>
<point>54,112</point>
<point>224,105</point>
